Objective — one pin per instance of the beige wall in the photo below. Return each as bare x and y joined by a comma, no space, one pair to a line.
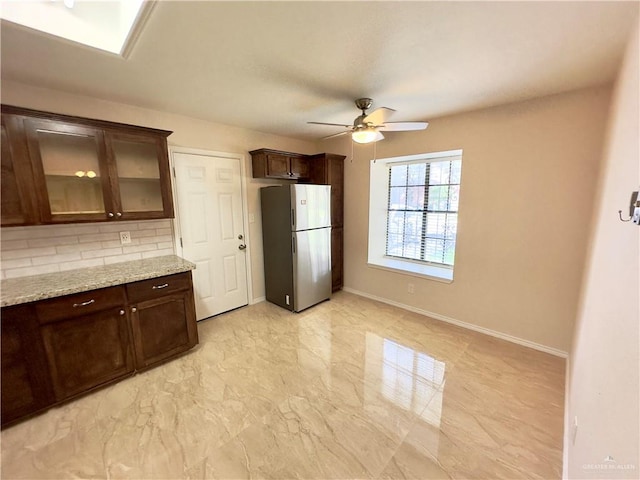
188,132
528,178
603,383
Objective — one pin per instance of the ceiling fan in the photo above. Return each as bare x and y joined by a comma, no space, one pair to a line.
368,128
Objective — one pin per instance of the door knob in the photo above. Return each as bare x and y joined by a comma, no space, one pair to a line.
240,237
242,247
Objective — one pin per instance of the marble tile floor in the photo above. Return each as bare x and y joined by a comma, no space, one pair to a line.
350,388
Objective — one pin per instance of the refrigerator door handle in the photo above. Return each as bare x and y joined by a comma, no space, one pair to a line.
293,218
293,245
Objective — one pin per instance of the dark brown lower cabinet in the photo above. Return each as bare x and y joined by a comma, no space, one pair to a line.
161,328
56,349
26,386
88,351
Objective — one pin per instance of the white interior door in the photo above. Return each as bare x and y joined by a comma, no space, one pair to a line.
211,225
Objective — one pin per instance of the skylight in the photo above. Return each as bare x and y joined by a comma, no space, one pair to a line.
106,25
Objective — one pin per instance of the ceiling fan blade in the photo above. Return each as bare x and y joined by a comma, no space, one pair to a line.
379,115
335,135
330,124
403,126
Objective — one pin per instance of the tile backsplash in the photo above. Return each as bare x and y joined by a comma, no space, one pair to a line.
55,248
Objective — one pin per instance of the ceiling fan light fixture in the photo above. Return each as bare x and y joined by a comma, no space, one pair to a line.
368,127
364,135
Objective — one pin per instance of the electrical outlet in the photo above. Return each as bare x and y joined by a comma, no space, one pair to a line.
411,288
125,237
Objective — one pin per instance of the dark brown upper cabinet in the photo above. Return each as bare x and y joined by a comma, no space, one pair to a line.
268,163
139,170
323,169
18,196
87,170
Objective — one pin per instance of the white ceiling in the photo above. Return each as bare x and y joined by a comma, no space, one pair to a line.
273,66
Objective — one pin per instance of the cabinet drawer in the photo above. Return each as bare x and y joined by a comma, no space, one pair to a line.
71,306
158,287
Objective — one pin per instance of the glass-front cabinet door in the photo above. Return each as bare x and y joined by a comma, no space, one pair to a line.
71,179
140,165
64,169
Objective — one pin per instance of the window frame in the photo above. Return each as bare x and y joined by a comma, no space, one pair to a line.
378,218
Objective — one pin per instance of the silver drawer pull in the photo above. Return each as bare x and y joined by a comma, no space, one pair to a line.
84,304
158,287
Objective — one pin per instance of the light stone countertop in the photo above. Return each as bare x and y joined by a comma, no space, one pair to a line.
15,291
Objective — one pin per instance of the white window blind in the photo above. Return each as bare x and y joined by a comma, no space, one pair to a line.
422,210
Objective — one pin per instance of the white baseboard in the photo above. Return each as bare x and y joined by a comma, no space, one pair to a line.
257,300
459,323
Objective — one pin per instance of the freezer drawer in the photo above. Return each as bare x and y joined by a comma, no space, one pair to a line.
311,267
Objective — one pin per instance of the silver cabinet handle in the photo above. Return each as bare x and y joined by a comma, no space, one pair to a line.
84,304
118,214
134,309
121,312
110,215
158,287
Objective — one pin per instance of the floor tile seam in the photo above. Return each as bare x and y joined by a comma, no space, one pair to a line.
54,411
397,449
363,418
428,404
338,407
231,438
515,466
275,405
248,352
506,381
319,436
451,365
179,448
323,437
355,412
501,443
226,359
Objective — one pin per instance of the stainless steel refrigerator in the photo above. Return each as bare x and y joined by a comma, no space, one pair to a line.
296,236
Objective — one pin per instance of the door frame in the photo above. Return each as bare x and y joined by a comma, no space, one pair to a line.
243,194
